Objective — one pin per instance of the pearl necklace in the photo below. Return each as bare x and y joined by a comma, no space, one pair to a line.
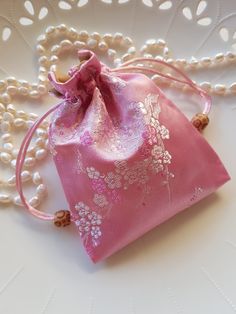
107,45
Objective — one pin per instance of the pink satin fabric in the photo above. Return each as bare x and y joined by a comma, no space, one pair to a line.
127,157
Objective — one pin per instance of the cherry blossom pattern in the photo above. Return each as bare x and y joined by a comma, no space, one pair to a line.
86,139
70,4
100,200
88,223
198,14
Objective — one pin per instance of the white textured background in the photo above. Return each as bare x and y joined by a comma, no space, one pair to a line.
185,266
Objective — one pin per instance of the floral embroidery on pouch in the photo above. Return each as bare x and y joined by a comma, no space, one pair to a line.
88,223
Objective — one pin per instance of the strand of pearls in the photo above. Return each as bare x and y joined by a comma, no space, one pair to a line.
50,47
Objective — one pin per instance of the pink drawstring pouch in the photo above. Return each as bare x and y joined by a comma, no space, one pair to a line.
127,157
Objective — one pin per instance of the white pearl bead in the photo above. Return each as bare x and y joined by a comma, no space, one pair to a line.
42,39
117,62
219,57
29,162
23,90
157,78
96,35
62,28
40,141
83,35
232,88
6,137
2,84
18,122
132,50
66,44
143,49
11,80
220,89
73,33
34,201
33,116
5,199
5,157
36,178
126,57
11,109
193,62
128,41
21,114
29,124
41,132
13,163
17,201
161,43
151,42
24,83
206,61
12,181
34,94
2,108
111,54
206,86
107,38
15,152
79,44
92,43
148,55
166,52
50,30
118,37
40,154
31,151
40,49
25,176
44,124
5,98
231,56
8,147
170,61
5,127
41,190
12,90
181,62
55,49
103,46
7,116
42,89
43,60
54,59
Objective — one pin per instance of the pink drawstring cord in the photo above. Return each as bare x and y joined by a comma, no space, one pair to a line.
20,162
188,81
124,67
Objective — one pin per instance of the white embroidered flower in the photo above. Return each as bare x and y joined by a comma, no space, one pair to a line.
113,180
100,200
95,218
156,166
92,173
166,157
88,222
121,166
96,232
164,132
156,151
131,176
82,209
